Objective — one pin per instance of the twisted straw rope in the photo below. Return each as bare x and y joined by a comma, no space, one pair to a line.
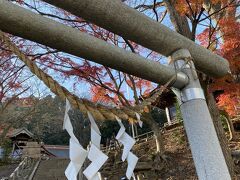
100,112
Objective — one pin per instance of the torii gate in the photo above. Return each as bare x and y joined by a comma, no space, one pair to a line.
132,25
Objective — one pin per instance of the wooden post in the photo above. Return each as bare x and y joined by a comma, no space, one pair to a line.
168,115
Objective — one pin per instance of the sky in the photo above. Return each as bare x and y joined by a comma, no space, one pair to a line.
82,88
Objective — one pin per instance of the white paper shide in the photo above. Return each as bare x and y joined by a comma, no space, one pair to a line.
95,155
76,152
127,141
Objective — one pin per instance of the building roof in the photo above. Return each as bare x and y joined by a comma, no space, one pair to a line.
166,99
57,150
23,130
60,147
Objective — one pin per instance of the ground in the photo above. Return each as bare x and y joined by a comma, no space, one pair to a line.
6,170
178,163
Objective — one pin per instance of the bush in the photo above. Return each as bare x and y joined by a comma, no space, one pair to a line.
6,145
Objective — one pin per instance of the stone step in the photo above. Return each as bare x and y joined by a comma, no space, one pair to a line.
50,178
52,169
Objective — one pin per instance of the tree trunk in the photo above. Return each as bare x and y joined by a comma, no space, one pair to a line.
157,133
233,134
183,28
220,133
180,22
211,8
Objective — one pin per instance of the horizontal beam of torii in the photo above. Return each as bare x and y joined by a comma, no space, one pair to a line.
129,23
26,24
99,111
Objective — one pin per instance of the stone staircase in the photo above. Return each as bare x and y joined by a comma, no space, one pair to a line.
179,164
148,166
51,169
23,170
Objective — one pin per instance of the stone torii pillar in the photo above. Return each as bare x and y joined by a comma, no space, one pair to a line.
205,147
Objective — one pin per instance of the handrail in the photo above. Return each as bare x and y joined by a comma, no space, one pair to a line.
34,169
16,172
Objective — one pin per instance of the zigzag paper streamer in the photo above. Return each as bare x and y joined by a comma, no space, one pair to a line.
95,155
77,153
124,139
132,162
95,133
128,143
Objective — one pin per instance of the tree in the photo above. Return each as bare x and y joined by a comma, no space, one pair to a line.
106,84
12,85
217,11
11,80
199,20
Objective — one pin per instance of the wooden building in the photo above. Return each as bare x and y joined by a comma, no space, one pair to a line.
20,138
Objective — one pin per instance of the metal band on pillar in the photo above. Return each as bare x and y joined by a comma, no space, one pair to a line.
192,93
182,60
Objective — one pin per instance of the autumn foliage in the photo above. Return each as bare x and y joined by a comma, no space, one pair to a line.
216,29
10,75
220,34
230,49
